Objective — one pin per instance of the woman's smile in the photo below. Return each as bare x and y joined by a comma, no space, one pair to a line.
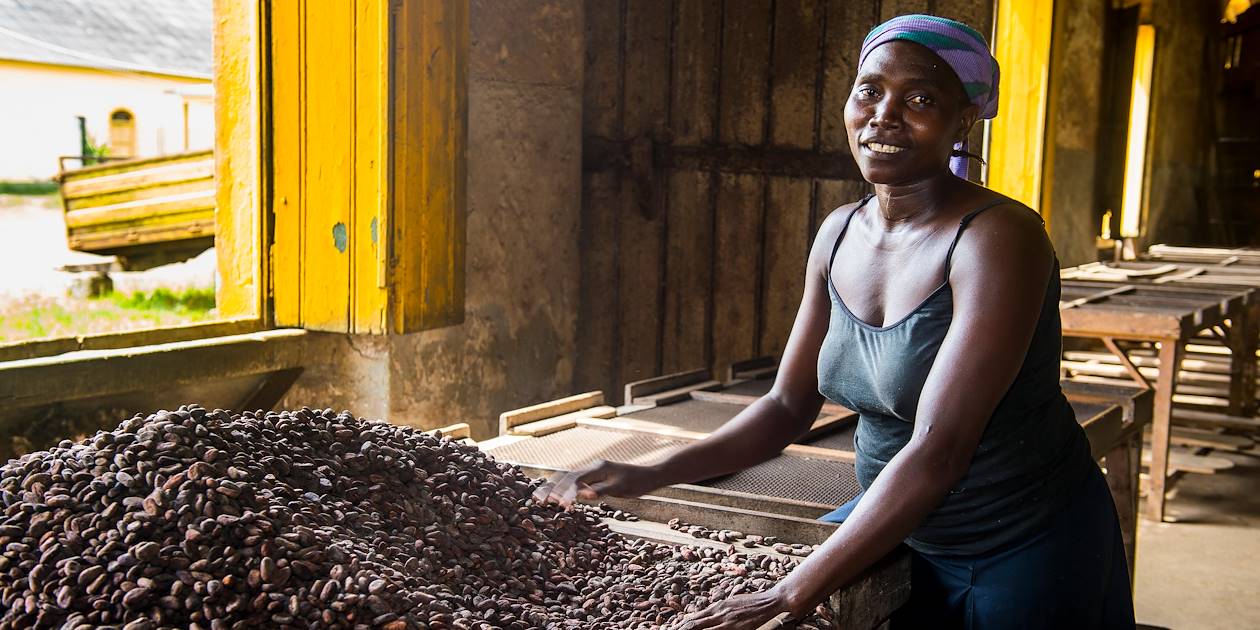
882,150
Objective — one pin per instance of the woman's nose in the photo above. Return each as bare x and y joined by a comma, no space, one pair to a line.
886,115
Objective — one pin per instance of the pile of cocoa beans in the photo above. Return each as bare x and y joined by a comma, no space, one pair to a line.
294,519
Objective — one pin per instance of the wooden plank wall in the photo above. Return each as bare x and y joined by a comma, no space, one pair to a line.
700,262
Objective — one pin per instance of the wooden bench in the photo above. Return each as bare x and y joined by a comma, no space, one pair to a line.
147,212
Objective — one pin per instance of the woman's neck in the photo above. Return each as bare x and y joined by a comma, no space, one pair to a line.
907,204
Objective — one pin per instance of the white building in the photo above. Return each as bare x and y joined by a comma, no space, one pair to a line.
137,71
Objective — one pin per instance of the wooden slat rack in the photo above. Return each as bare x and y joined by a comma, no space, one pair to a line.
819,465
1167,315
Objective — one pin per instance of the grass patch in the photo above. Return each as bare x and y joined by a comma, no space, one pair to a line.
29,188
37,318
187,302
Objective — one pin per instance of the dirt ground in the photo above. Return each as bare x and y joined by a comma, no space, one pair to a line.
33,293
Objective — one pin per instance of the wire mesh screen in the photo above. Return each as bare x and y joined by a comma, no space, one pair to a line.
691,415
800,478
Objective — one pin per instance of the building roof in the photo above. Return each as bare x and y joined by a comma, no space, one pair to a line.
158,36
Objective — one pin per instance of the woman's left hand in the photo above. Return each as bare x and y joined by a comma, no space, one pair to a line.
742,612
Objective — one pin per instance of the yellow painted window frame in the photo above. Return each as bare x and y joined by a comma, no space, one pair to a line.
1017,146
417,280
239,148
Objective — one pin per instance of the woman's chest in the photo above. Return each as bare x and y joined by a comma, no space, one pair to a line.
881,288
882,371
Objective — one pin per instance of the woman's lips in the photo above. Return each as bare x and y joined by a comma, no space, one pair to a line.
884,149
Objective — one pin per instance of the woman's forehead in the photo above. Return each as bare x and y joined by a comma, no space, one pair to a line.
905,61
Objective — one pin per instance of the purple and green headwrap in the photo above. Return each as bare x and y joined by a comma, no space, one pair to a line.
959,46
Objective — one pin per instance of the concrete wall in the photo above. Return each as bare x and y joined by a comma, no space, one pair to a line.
1072,135
518,339
39,103
1180,134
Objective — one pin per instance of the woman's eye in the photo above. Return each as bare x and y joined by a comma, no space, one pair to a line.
921,100
867,92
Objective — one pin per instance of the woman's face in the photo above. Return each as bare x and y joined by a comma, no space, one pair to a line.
905,113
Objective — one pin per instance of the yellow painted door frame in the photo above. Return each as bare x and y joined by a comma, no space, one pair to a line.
369,126
1134,207
239,80
1017,147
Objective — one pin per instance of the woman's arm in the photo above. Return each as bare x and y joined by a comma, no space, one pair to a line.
760,431
999,274
998,278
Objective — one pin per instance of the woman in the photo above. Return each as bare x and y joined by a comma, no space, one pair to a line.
931,309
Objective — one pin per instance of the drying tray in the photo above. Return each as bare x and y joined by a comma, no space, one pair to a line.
824,483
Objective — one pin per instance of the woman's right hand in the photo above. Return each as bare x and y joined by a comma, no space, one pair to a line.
599,478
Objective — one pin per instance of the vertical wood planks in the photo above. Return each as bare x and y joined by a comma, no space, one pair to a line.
370,188
693,105
787,241
743,116
427,222
287,80
745,63
327,103
889,9
688,276
794,73
736,268
794,70
598,316
848,23
641,220
689,250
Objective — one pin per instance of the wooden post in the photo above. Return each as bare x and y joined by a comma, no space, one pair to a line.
1244,331
1124,462
1170,354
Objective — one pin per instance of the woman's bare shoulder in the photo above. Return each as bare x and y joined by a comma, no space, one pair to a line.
829,231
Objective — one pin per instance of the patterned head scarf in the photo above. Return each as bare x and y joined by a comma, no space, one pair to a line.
959,46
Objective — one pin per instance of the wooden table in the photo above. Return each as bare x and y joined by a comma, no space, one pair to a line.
1168,316
1241,335
1212,255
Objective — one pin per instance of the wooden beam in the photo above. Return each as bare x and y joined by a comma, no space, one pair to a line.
604,154
549,409
93,373
1126,362
127,339
658,384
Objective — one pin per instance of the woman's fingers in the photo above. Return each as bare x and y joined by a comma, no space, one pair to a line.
543,492
586,484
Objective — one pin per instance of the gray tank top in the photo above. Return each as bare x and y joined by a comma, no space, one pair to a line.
1032,454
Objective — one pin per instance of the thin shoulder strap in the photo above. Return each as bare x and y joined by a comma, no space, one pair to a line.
962,225
835,248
